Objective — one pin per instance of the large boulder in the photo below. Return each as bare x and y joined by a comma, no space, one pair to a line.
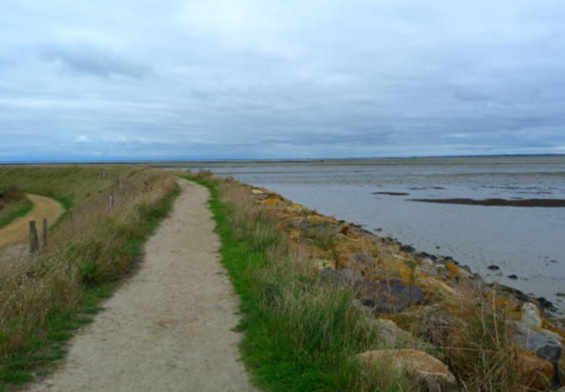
426,370
395,337
531,336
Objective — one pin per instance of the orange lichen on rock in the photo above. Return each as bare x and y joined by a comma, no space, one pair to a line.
272,201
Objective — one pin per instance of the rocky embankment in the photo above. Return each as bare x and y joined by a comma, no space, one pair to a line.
430,311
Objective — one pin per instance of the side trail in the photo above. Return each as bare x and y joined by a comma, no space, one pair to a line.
18,230
169,328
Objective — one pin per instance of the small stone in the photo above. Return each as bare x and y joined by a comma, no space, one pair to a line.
493,267
407,248
166,322
513,277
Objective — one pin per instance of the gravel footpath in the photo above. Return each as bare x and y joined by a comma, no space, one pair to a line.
169,328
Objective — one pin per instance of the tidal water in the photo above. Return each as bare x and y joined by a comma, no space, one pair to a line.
528,242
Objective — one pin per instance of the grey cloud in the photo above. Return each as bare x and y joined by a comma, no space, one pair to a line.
86,59
255,79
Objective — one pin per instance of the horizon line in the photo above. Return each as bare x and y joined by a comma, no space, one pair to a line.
215,160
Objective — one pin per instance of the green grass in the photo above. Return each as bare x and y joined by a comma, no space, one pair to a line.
299,334
14,211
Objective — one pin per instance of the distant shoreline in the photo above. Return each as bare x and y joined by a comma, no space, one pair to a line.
161,162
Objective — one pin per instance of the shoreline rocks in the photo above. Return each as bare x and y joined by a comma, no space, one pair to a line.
417,297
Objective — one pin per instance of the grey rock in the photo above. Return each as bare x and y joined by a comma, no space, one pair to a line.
493,267
390,295
395,337
407,249
545,344
545,347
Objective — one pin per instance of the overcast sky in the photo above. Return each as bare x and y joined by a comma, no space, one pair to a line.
157,79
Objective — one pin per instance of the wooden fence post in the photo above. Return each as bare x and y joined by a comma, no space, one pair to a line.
111,200
44,232
33,239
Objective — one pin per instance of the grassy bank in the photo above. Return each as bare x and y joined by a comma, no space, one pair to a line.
44,299
300,333
13,204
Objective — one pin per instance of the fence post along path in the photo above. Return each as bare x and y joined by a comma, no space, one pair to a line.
33,239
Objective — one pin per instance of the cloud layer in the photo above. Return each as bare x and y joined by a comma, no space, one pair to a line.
176,79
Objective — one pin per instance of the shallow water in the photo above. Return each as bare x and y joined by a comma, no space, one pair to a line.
526,242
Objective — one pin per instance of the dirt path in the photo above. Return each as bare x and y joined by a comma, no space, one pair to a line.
18,230
169,327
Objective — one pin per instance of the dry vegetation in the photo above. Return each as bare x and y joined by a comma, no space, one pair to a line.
41,296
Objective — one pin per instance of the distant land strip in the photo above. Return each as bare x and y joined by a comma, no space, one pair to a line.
391,193
499,202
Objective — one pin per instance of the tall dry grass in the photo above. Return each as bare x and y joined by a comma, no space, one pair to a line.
480,349
99,245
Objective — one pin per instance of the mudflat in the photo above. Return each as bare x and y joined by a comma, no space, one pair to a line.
169,328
